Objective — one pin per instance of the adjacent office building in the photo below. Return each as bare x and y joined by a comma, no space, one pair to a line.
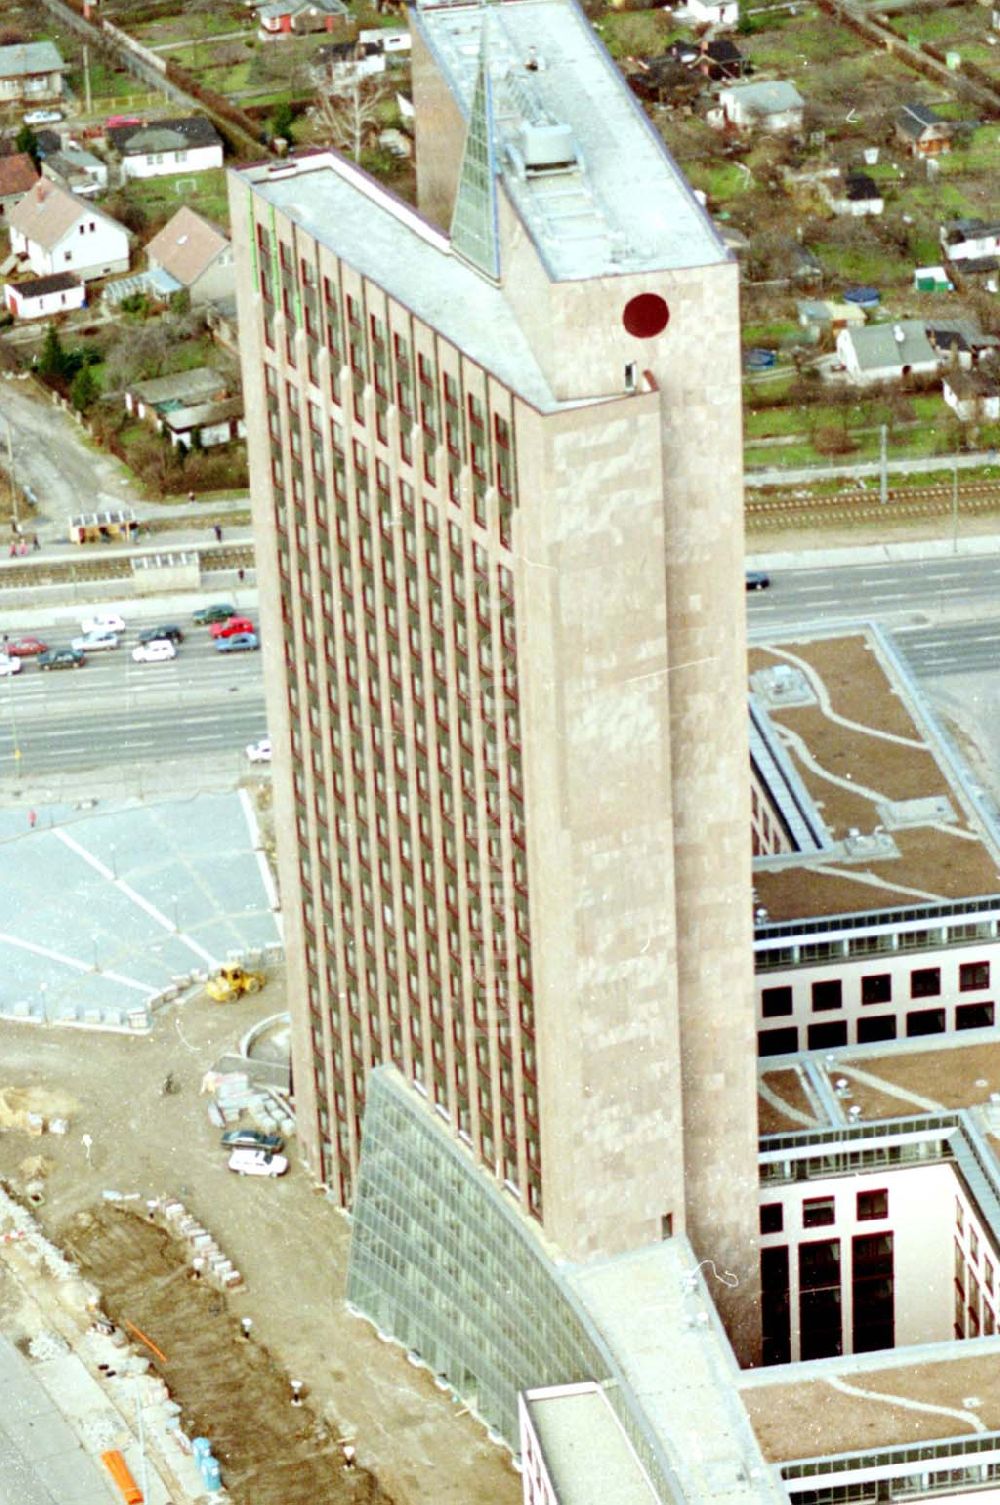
496,466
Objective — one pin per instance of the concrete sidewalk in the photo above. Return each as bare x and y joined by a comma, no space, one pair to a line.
899,552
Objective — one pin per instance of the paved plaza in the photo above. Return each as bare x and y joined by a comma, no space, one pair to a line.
103,907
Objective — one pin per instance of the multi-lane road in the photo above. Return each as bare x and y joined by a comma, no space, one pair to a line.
944,616
116,712
903,594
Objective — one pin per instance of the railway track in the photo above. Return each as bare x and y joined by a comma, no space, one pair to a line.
772,510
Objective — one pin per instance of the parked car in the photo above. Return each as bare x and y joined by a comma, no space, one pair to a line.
103,621
25,647
95,642
230,626
220,612
159,651
61,658
9,665
252,1139
259,752
171,632
257,1163
757,580
240,642
42,117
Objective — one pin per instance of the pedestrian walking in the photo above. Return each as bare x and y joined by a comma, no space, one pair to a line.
246,1323
218,533
32,819
22,547
190,496
241,574
34,542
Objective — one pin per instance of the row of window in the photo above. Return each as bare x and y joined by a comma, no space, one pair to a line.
376,584
818,1212
827,994
788,1039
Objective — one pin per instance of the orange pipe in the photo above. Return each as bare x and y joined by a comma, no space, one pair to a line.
148,1341
119,1471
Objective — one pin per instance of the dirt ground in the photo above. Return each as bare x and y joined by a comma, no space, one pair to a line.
231,1389
289,1242
814,1419
956,1077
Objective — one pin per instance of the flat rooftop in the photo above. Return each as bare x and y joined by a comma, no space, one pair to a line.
624,206
856,1406
369,228
589,1459
901,827
650,1307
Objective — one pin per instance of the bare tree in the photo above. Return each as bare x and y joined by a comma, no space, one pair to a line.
350,116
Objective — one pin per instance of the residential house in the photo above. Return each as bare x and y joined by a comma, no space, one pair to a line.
286,18
819,314
961,342
54,231
156,148
887,352
662,80
722,59
713,12
44,297
852,193
388,40
205,424
18,175
144,399
973,396
30,71
774,105
970,239
195,254
191,408
923,130
933,279
341,63
78,170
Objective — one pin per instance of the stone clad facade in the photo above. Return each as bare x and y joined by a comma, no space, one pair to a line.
500,560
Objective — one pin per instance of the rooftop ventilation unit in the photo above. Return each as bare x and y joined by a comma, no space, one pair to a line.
546,147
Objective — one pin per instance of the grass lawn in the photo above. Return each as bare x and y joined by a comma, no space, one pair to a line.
774,332
181,27
642,33
864,264
202,191
722,181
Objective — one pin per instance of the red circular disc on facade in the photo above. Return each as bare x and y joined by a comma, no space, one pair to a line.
646,315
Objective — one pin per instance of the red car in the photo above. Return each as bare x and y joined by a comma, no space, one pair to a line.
24,647
234,625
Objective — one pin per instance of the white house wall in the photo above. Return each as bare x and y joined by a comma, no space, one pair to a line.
162,164
898,965
921,1218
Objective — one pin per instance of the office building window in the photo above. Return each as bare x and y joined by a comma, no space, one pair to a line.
876,988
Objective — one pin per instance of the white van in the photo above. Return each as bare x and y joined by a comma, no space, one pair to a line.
257,1163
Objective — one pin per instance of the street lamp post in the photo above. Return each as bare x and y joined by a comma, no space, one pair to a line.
13,483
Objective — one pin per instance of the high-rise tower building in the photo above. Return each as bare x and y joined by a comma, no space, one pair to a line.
496,462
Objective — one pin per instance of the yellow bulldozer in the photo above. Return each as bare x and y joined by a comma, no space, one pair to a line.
230,983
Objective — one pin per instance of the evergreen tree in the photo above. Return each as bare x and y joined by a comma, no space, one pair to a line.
52,361
281,120
84,391
27,141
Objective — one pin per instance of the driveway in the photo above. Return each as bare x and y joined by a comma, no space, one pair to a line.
53,458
